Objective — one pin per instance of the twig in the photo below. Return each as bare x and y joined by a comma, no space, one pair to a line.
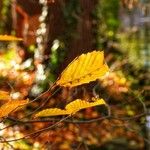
18,120
79,121
43,104
36,132
7,142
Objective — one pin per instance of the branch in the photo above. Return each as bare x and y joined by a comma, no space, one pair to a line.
33,133
19,120
79,121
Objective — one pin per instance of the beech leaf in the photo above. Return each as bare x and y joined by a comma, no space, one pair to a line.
83,69
78,104
10,106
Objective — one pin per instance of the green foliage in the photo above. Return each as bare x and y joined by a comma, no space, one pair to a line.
106,21
5,16
110,12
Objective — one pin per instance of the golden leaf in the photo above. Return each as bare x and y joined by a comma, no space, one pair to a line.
10,106
83,69
71,108
9,38
78,104
4,95
51,112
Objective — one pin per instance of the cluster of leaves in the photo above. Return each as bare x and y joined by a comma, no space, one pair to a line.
84,69
88,67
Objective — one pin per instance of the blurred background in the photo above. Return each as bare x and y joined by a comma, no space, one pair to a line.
54,32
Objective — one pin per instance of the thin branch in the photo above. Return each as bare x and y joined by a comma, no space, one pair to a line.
138,133
131,118
79,121
7,142
48,90
43,104
19,120
82,137
55,119
36,132
109,116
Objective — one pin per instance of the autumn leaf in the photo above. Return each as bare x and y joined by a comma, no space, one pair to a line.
10,106
78,104
83,69
4,95
9,38
51,112
70,108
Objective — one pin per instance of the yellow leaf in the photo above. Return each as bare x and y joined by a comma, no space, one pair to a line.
83,69
10,106
9,38
4,95
78,104
51,112
71,108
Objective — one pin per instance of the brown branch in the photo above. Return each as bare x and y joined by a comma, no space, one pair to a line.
36,132
79,121
19,120
66,120
109,116
5,141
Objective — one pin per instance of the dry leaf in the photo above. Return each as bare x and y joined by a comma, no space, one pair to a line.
9,38
10,106
71,108
84,69
4,95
